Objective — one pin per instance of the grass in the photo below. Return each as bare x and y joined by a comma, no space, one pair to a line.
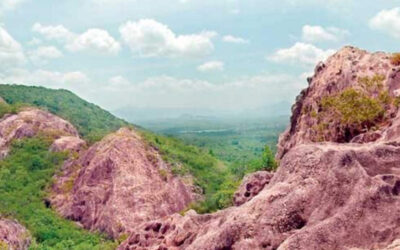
25,174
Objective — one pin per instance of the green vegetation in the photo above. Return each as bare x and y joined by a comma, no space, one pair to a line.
217,181
355,109
9,109
24,175
208,173
395,60
233,141
91,121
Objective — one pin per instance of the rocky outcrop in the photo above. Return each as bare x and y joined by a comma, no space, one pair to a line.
117,184
349,68
68,143
251,185
13,236
324,195
28,123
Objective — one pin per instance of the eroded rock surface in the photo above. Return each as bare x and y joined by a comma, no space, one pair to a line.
251,185
324,195
117,184
28,123
13,236
68,143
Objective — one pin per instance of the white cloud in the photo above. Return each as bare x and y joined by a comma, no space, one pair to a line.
93,39
387,21
211,66
41,55
149,38
234,39
51,79
58,33
118,82
9,4
170,92
302,53
11,52
320,34
34,42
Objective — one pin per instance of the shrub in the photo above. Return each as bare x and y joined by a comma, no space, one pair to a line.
352,107
395,59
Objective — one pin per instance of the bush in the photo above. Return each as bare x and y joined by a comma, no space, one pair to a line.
395,59
352,107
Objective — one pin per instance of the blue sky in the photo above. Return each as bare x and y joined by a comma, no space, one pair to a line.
196,54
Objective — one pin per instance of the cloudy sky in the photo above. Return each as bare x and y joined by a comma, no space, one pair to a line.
220,54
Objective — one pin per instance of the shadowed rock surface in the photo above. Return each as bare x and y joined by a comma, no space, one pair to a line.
28,123
324,195
13,236
251,185
117,184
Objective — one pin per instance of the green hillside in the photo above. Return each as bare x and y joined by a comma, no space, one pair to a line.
91,121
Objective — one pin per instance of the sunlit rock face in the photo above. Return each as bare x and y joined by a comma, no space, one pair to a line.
30,122
324,195
13,236
117,184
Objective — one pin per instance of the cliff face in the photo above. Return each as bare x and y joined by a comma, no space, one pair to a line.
28,123
13,235
118,183
322,111
327,193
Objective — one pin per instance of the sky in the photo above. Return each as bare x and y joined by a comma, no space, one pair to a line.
228,55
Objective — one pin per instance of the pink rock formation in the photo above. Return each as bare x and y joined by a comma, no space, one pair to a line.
251,185
118,183
30,122
339,72
324,195
68,143
13,236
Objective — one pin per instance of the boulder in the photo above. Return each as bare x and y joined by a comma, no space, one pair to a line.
68,143
28,123
13,236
